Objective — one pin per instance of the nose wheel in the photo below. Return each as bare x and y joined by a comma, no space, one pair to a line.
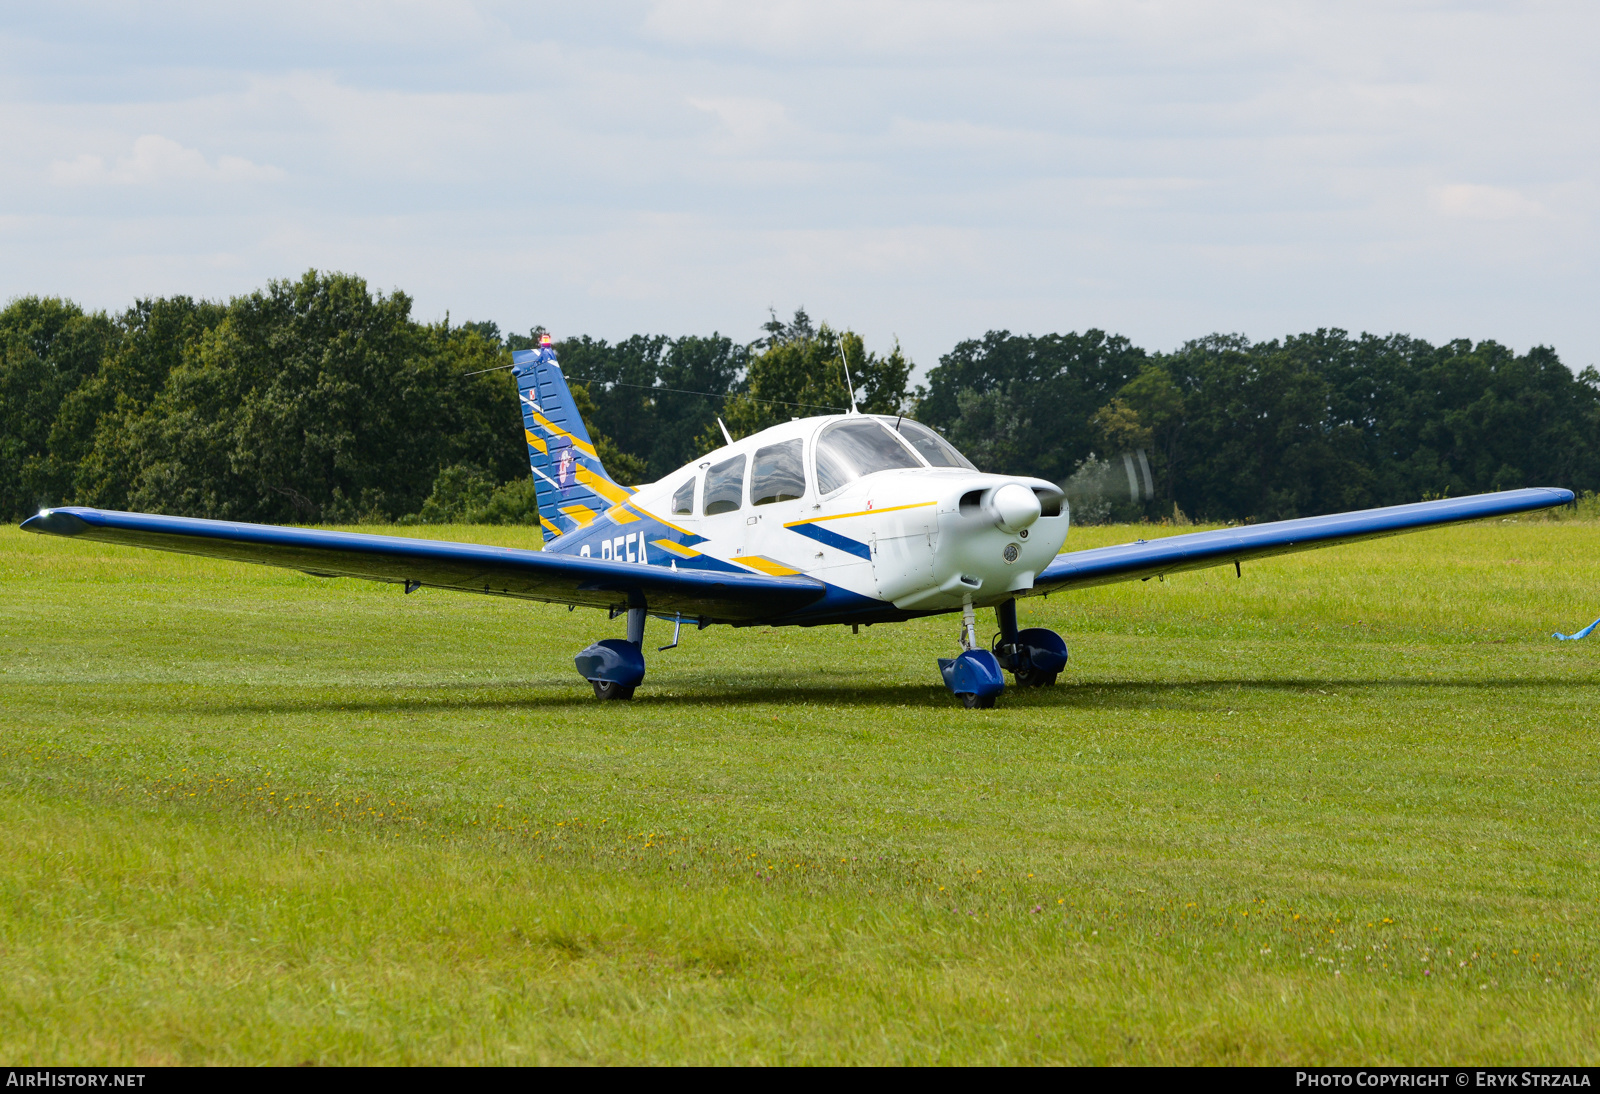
610,689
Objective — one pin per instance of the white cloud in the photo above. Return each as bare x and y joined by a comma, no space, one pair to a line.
79,171
1469,202
747,122
159,160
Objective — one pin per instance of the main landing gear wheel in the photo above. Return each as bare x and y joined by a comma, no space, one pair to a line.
1034,678
978,702
615,666
1035,657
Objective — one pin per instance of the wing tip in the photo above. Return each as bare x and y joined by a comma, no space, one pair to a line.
55,522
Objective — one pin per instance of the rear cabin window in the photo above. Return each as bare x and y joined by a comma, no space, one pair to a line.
683,500
779,473
934,448
850,449
725,486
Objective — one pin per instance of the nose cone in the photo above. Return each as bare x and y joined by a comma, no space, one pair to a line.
1015,507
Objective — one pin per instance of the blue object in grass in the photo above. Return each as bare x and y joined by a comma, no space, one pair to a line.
1581,634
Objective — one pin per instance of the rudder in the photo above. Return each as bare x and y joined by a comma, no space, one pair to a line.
570,482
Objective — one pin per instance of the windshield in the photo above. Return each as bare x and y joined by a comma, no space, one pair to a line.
850,449
934,448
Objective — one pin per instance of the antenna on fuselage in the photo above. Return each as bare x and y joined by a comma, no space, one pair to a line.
848,383
725,434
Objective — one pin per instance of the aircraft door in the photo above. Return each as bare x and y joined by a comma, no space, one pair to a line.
902,557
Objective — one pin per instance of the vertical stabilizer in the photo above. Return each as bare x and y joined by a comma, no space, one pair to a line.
572,485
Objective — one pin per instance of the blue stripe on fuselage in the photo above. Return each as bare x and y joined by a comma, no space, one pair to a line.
833,539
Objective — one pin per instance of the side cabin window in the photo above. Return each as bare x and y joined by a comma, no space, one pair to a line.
934,448
859,446
683,500
779,473
724,486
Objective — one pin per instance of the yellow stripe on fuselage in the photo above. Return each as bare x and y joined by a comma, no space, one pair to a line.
647,514
676,548
767,565
622,514
862,513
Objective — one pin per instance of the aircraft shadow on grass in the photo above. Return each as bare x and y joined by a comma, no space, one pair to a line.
1096,695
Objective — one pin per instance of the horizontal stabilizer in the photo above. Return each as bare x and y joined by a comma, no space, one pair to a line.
1198,550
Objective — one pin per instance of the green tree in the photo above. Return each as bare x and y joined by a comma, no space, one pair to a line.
48,347
1024,404
316,400
802,372
654,397
91,431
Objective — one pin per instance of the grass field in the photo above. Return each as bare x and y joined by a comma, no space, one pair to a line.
1342,809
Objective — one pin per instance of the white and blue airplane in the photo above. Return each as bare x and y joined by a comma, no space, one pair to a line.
841,519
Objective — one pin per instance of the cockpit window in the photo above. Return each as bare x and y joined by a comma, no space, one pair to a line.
934,448
779,473
850,449
725,486
683,500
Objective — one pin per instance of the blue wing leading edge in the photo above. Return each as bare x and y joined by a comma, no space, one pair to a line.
1198,550
466,567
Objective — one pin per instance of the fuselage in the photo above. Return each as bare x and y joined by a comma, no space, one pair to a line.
893,520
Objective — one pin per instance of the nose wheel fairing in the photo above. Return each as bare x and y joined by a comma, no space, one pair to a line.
974,677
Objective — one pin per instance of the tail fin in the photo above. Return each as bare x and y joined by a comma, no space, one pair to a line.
571,484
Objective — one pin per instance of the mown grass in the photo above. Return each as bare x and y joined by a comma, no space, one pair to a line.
1341,810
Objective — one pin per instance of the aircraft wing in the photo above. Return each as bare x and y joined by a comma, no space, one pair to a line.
1144,559
468,567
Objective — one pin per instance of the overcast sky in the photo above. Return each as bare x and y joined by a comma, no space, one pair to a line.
923,170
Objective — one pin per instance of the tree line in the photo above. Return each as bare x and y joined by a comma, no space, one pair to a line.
318,400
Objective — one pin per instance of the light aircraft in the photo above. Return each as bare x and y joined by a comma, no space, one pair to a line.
843,519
